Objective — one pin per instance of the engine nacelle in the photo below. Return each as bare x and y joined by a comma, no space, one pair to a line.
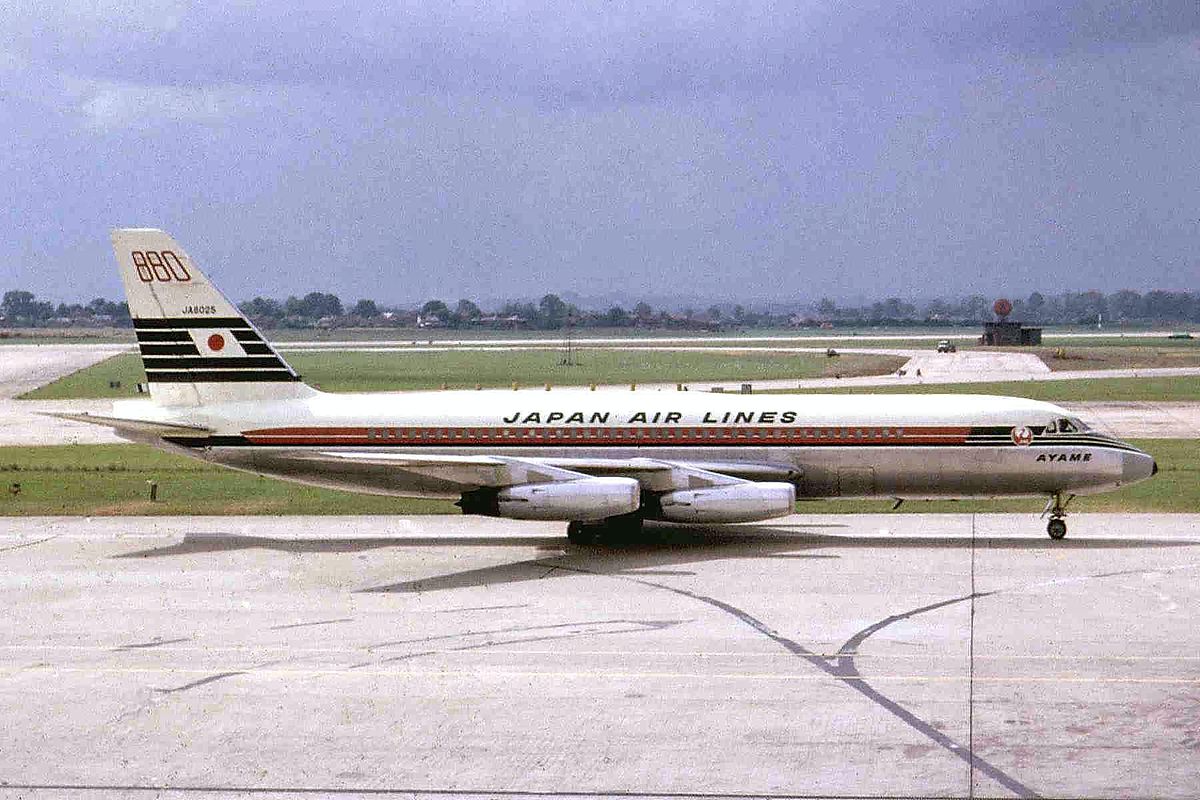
739,502
586,499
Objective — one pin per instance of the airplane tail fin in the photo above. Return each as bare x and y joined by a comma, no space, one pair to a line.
197,347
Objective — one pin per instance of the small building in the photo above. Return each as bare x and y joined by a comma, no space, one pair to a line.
1010,333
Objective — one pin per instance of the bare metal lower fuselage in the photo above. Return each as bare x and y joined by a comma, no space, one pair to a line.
817,472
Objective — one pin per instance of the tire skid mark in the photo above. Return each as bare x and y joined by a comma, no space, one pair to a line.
310,624
574,629
148,645
203,681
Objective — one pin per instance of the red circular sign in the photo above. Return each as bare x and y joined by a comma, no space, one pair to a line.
1002,307
216,342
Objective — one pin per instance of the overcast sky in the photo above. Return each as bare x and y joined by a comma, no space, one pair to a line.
737,151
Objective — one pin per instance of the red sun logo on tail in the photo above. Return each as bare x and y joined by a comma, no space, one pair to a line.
216,342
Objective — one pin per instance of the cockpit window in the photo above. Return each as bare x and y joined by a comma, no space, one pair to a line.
1064,425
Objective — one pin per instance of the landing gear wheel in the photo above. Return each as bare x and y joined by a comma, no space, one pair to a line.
622,530
1057,529
580,533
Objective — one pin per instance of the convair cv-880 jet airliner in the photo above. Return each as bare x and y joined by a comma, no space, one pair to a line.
601,461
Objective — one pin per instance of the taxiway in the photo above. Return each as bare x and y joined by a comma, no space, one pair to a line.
908,656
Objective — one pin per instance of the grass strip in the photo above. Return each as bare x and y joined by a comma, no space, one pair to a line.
1161,388
388,371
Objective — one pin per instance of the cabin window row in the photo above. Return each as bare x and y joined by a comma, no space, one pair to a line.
633,434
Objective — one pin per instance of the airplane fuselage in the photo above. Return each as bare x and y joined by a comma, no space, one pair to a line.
900,446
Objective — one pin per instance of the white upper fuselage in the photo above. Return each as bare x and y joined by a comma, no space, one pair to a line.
566,408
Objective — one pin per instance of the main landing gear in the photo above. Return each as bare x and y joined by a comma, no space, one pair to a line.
1057,509
620,529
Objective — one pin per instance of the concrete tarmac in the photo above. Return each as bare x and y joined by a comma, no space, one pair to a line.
900,656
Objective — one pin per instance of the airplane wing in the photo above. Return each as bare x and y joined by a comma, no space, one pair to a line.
654,475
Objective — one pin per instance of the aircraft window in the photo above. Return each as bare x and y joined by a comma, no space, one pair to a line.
1066,426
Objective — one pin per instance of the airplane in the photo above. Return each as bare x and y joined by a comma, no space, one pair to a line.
604,462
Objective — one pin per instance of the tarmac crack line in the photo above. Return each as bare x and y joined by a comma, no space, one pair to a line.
23,545
844,670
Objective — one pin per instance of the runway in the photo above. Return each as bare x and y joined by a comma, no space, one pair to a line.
902,656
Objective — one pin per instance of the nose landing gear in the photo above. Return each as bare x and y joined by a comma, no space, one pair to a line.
1057,528
1057,509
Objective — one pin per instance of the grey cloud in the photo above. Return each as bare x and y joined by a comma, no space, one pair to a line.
585,50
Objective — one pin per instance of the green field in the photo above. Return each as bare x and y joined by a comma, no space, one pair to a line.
360,372
1185,388
96,480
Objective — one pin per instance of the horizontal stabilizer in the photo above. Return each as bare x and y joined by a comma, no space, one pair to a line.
136,429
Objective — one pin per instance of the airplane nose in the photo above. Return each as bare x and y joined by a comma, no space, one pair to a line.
1137,467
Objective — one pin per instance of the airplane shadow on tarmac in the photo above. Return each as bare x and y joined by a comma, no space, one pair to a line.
662,552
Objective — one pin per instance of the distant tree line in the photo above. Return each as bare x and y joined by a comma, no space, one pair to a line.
1069,308
23,309
322,309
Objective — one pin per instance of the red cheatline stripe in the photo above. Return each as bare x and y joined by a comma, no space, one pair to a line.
865,435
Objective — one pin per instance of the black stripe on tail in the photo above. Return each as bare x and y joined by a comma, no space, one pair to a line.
170,356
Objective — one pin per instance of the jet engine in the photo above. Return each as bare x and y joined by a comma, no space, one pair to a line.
585,499
739,502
